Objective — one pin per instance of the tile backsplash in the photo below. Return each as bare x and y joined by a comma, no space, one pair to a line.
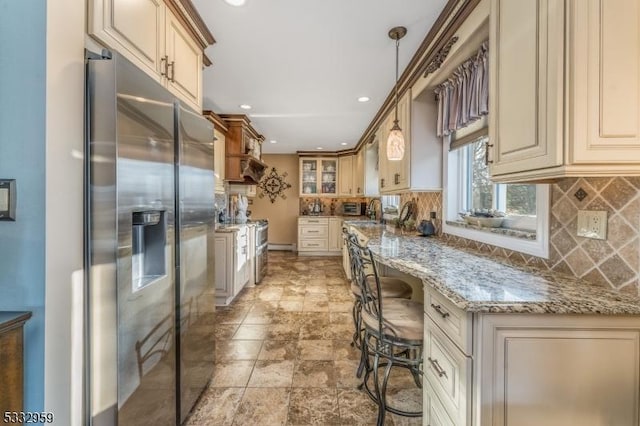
613,262
327,203
426,203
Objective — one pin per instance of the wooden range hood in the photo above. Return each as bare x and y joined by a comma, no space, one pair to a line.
243,150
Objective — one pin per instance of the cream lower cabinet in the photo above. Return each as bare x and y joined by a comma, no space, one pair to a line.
564,89
147,33
529,369
232,264
320,236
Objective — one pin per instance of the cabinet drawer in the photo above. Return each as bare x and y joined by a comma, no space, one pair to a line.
313,221
313,245
314,231
448,371
433,413
455,322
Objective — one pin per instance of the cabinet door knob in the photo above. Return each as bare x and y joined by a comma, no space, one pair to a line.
381,183
396,178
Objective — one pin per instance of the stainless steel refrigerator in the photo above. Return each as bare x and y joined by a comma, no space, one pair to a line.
150,231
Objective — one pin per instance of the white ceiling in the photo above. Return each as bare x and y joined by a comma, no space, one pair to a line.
302,64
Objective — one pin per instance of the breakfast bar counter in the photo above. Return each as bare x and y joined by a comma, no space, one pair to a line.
507,344
477,283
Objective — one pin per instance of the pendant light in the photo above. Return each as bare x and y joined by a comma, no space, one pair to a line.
395,142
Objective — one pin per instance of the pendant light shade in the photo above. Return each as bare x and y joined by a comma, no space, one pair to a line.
395,141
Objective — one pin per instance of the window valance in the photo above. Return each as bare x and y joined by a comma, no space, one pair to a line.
464,97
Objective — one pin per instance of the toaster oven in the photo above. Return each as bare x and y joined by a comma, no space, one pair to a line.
350,209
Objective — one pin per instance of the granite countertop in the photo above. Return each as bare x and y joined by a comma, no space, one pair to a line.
478,283
341,216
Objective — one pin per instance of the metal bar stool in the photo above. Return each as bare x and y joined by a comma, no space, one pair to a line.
393,332
391,287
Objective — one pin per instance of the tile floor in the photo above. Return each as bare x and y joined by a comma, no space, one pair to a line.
283,354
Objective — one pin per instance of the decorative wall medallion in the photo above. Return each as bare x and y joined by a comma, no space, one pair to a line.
273,185
440,56
580,194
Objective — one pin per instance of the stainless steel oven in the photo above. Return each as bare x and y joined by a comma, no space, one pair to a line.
262,256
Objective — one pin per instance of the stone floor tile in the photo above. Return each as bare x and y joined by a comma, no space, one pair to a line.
217,406
314,374
271,374
232,374
263,406
313,406
235,350
315,350
279,350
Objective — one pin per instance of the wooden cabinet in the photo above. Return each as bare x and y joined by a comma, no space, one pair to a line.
318,176
481,369
11,361
551,120
345,173
157,40
243,151
319,236
232,264
420,169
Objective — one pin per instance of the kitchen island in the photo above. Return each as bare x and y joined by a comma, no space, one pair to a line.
506,345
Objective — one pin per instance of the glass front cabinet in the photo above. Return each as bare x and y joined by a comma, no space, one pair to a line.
318,176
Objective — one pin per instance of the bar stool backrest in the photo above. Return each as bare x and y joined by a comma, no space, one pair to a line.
363,269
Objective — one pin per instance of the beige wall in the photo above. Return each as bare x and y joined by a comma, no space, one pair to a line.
283,213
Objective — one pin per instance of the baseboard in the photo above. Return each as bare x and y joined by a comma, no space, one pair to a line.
282,247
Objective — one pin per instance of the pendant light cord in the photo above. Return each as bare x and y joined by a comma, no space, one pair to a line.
397,50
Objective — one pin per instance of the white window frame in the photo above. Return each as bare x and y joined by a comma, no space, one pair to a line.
453,202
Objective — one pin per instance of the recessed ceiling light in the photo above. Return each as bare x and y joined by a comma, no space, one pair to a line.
273,141
363,99
343,143
235,2
319,148
245,106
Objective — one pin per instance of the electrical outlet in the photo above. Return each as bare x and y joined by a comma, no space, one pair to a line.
592,224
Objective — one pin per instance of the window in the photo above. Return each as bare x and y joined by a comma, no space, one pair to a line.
517,201
468,187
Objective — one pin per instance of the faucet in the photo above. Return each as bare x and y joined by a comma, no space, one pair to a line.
371,210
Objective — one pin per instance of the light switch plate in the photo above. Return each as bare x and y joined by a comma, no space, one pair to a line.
8,199
592,224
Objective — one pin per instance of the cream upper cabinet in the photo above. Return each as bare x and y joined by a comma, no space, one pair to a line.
147,33
526,85
218,160
319,177
551,120
383,163
605,82
358,173
421,167
133,27
184,63
345,171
